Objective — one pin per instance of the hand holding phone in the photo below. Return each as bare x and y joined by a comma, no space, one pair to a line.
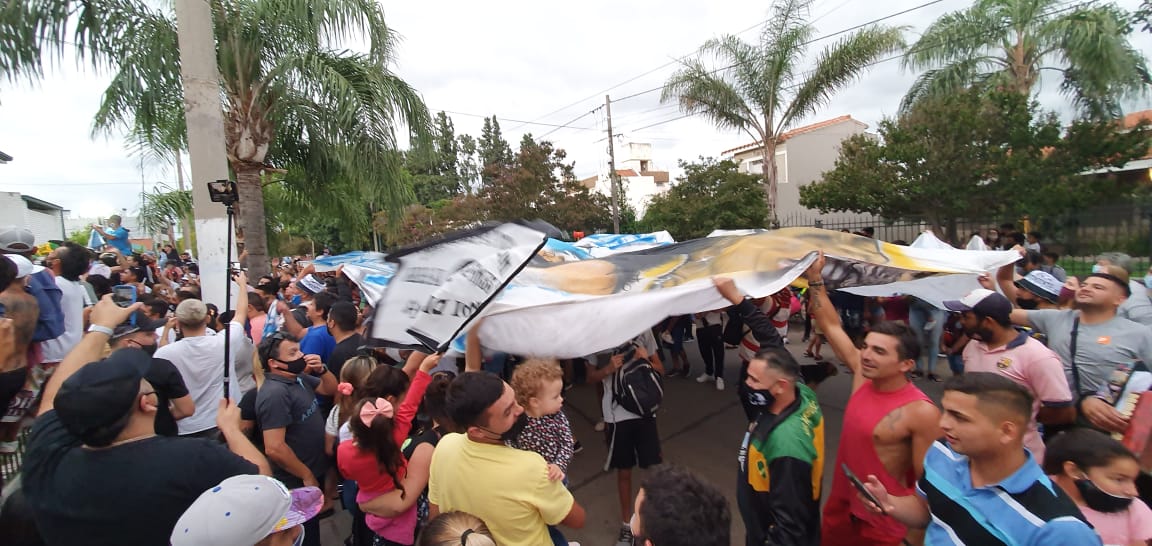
124,295
864,492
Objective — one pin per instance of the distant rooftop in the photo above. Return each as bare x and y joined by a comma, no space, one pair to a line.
796,132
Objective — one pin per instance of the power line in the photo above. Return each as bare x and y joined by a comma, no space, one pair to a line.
658,68
869,65
578,118
558,127
812,41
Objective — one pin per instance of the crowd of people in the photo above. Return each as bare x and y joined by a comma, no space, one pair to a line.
139,432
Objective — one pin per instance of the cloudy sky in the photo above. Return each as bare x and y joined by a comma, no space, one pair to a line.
519,60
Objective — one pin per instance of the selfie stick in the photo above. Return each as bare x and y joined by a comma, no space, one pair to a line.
224,191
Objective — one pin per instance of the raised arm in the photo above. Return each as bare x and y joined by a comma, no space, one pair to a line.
106,315
759,323
826,317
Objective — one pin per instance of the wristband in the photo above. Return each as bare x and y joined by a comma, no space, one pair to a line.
814,284
96,328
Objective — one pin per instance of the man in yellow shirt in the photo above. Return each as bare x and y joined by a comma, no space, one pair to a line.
476,473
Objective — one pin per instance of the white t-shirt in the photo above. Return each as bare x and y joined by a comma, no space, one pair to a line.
98,268
198,359
73,300
613,412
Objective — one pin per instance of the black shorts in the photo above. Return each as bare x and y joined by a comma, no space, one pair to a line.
632,441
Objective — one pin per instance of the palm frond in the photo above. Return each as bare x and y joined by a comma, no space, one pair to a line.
1102,66
957,37
836,67
165,207
941,81
700,92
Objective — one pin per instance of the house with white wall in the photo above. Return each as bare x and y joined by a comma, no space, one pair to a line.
637,176
803,155
45,220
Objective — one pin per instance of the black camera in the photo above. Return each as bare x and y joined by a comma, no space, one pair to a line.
223,191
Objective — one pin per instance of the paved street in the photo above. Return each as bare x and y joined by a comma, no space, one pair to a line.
701,429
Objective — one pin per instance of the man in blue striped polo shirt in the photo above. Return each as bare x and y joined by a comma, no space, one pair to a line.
982,487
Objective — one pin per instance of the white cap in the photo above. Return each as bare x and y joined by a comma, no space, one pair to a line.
24,267
244,509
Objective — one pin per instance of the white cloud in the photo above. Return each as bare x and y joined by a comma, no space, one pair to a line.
516,59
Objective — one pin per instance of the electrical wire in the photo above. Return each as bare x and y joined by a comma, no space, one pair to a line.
812,41
658,68
869,65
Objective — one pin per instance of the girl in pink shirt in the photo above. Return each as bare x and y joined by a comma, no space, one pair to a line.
1099,473
373,458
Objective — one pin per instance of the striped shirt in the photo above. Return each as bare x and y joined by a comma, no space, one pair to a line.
1025,508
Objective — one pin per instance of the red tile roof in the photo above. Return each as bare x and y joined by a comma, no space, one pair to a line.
795,132
1134,119
626,172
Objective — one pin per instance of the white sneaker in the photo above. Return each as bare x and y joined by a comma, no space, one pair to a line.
599,426
719,383
704,378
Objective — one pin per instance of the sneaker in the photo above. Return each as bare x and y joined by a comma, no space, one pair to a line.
719,383
704,378
625,537
599,426
577,447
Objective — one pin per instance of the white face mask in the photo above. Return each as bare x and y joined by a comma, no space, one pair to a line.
1099,269
1148,281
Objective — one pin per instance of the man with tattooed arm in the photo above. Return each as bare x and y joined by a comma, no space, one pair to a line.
889,423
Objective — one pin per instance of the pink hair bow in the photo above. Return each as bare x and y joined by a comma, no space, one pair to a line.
345,389
369,411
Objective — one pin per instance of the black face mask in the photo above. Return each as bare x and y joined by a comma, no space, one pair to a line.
760,398
150,349
295,366
1026,304
1099,500
514,432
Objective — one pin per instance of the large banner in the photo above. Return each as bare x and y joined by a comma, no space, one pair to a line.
439,287
565,308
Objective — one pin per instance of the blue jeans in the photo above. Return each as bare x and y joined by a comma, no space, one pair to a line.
956,364
920,314
557,537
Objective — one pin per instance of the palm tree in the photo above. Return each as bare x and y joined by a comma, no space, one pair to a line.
299,109
1009,43
163,208
761,90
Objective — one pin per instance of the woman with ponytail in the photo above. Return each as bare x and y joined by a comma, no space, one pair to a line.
379,423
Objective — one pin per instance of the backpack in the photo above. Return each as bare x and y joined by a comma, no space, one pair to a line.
638,388
734,330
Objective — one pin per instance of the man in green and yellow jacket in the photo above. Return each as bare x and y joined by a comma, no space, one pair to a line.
782,455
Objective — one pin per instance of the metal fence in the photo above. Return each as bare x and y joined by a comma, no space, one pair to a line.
1078,237
10,463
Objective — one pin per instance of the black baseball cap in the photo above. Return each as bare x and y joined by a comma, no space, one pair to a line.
101,394
143,323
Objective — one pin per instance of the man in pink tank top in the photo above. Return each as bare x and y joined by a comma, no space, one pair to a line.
889,424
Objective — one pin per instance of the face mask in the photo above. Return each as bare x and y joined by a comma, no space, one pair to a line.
1026,304
296,366
1099,500
1099,269
1148,281
1066,294
512,433
761,398
150,349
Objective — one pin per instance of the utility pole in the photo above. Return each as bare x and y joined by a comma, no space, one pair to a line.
205,121
615,194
